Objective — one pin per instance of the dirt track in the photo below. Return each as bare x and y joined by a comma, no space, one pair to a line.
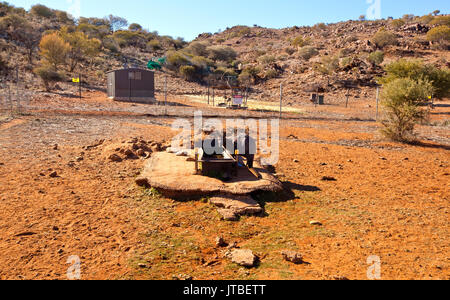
389,200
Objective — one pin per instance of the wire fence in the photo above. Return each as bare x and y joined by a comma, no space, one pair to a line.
14,98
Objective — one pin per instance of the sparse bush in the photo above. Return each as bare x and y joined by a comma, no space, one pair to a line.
300,41
154,45
376,58
408,18
202,62
116,23
176,59
417,70
397,23
54,50
267,59
135,27
426,19
346,61
48,76
111,44
269,74
362,17
440,34
63,17
384,38
188,72
441,20
307,52
197,49
402,100
42,11
320,26
221,53
289,51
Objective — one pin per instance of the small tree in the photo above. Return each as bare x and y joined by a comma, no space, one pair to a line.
376,58
81,47
117,23
362,17
417,70
54,50
402,100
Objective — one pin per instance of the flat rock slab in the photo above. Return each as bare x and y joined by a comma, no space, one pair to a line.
175,176
231,207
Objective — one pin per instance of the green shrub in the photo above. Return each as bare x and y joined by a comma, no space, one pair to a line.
176,59
402,100
63,17
197,49
427,19
300,41
346,61
417,70
376,58
48,75
111,44
441,20
307,52
188,72
397,23
202,62
384,38
440,34
267,59
135,27
269,74
154,45
221,53
42,11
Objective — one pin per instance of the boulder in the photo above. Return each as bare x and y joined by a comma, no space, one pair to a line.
244,258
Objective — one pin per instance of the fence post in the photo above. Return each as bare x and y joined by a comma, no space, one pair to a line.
378,101
281,101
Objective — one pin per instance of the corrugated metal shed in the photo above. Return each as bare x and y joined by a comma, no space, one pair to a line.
132,85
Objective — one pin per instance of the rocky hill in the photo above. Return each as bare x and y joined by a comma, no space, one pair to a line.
340,58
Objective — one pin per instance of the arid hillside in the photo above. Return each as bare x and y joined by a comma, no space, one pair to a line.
339,59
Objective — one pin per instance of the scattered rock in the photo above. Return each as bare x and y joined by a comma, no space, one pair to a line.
328,178
115,158
315,223
54,174
2,164
28,233
79,158
141,153
55,228
244,258
142,266
228,214
232,207
293,257
142,182
220,242
383,158
296,161
340,278
55,147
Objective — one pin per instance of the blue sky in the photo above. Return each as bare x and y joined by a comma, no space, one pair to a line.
188,18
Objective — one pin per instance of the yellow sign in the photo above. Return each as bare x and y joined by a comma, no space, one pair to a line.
76,80
429,97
